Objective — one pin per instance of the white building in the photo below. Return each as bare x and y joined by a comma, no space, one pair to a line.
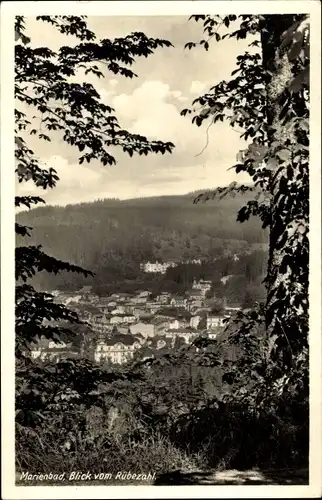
215,321
157,267
177,323
118,349
202,285
194,321
164,298
145,329
179,302
119,319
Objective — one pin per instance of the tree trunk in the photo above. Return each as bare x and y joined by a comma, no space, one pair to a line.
287,276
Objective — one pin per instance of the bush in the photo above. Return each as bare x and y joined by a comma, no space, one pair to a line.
39,450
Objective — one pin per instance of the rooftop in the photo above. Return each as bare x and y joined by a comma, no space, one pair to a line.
126,339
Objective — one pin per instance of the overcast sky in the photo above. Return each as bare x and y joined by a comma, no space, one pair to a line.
167,82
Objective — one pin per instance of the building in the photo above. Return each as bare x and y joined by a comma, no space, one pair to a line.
163,298
230,309
128,308
202,285
145,293
153,307
48,350
125,329
194,321
100,322
179,302
138,312
118,349
139,300
118,310
195,304
177,323
215,321
195,294
184,333
160,325
156,267
118,319
145,329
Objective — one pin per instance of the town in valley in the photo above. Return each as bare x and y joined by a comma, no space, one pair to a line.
126,326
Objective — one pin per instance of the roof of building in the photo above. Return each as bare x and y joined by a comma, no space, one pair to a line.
86,289
122,315
142,323
182,330
126,339
159,321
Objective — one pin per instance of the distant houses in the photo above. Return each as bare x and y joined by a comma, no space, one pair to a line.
48,350
124,323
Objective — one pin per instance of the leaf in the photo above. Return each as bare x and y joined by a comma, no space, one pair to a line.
284,154
299,81
295,51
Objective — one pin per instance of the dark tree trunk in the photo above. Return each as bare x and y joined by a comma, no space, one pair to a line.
287,276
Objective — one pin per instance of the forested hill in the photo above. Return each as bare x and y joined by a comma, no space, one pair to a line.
116,235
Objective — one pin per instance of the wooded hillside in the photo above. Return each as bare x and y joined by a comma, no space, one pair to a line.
112,236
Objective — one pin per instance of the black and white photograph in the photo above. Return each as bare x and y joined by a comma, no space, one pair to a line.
162,271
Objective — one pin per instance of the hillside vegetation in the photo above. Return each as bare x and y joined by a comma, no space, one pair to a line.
112,237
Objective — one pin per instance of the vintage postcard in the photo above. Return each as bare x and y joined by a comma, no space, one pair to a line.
161,249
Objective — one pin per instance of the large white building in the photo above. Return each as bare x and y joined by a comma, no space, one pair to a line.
157,267
118,349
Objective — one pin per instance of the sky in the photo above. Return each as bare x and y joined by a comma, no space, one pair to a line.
150,105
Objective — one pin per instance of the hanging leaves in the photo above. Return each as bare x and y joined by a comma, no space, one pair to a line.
268,101
43,84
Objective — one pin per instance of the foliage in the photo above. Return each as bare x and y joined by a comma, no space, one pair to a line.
73,112
112,237
104,454
240,400
267,98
